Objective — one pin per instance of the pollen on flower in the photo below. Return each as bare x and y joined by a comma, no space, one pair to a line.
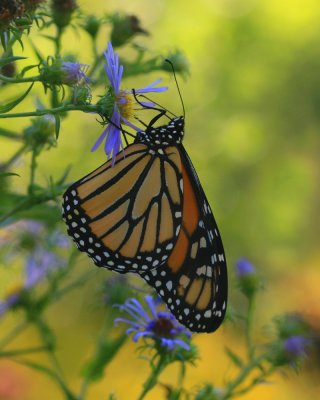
125,104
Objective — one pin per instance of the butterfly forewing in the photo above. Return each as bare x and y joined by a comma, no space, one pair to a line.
193,282
127,216
148,214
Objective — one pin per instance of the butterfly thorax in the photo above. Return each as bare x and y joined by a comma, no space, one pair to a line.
165,135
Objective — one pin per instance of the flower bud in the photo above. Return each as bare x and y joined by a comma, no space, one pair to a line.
124,27
62,11
92,25
59,72
9,70
180,63
246,277
291,325
41,132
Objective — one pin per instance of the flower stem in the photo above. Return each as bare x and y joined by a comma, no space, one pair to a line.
15,332
245,371
153,377
33,168
258,379
20,80
38,113
249,320
14,157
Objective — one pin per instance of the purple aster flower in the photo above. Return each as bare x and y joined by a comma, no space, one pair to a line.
37,267
161,326
295,346
123,105
74,73
244,268
247,278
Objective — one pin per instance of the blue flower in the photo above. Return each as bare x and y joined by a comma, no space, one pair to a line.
247,278
74,73
244,268
38,265
161,326
123,105
295,346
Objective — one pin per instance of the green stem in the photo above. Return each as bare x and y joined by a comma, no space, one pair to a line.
249,321
38,113
78,282
8,51
58,40
262,376
181,375
14,157
15,332
51,374
83,390
29,202
33,168
20,80
245,371
153,377
9,134
20,352
46,335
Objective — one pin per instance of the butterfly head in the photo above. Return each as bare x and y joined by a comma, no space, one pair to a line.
165,135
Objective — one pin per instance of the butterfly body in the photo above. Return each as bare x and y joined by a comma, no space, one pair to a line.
148,214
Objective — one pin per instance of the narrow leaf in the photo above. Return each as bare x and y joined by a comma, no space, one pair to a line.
26,69
3,174
234,357
8,107
94,368
57,125
8,60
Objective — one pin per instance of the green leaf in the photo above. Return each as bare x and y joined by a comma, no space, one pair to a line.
234,357
8,107
3,40
3,174
8,60
26,69
57,126
49,37
106,350
37,52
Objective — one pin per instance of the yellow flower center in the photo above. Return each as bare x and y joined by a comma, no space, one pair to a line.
126,108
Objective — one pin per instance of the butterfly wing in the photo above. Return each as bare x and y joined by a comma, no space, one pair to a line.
193,282
128,215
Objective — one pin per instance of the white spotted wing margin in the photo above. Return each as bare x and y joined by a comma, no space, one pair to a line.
127,215
193,283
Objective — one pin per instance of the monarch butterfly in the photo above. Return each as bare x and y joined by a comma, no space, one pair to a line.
147,213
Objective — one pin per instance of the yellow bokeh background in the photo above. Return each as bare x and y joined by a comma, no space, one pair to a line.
252,127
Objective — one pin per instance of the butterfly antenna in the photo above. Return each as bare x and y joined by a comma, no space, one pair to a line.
175,78
157,104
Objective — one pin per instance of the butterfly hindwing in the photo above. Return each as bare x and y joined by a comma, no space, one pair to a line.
147,213
127,216
193,282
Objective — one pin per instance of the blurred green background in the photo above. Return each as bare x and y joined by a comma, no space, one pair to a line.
252,127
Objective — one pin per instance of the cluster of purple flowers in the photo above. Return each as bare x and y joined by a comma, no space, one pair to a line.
40,262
